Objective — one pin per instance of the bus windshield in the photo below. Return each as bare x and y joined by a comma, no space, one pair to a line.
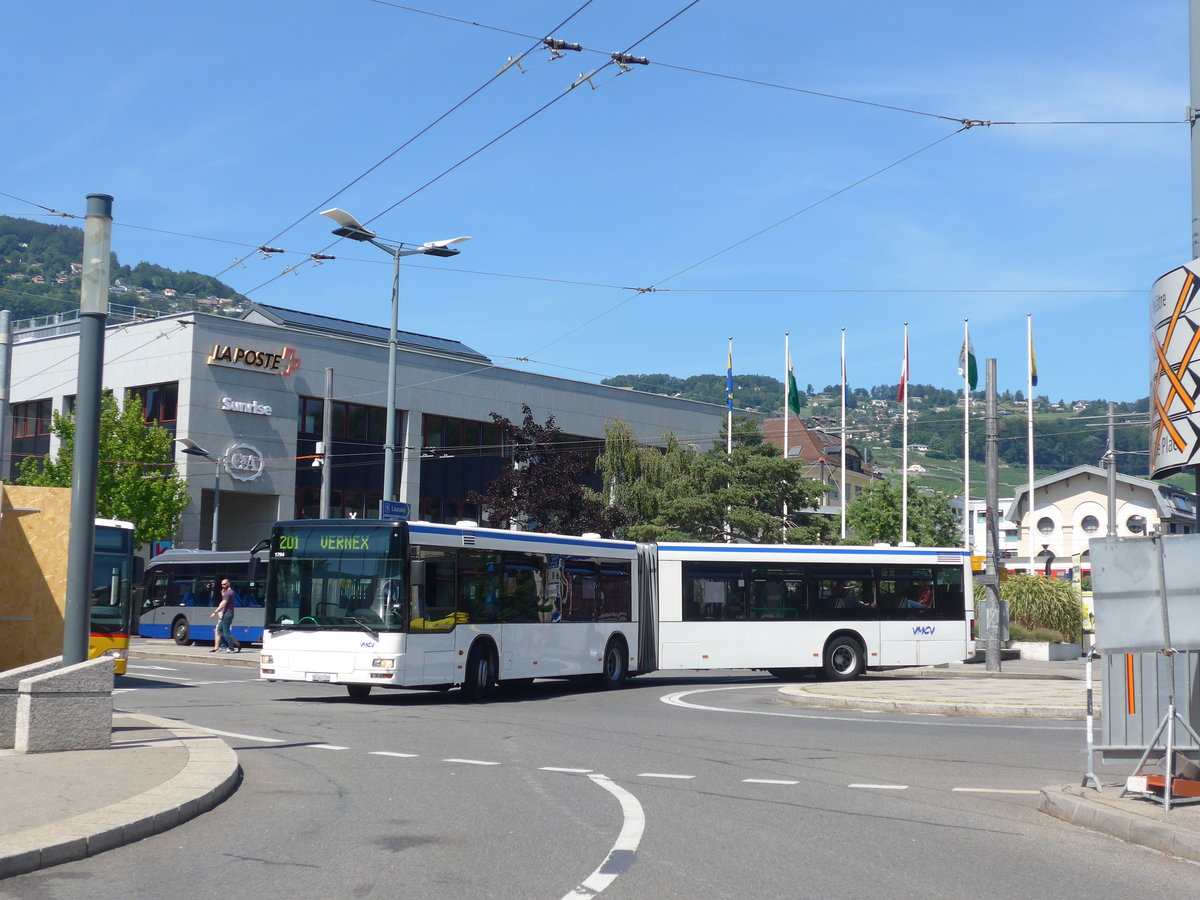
112,561
336,576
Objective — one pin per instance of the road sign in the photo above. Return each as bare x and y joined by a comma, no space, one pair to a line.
393,509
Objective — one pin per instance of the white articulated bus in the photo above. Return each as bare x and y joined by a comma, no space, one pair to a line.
790,609
367,603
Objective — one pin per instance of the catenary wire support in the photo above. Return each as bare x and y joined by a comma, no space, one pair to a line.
555,47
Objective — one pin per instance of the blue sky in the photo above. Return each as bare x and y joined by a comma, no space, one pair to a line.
218,125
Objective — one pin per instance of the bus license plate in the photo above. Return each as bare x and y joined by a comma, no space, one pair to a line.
319,676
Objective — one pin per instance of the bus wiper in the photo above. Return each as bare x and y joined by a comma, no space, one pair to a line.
364,626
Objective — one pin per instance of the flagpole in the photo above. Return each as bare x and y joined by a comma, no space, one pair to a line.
787,408
904,456
967,522
787,389
729,402
1029,416
728,422
842,490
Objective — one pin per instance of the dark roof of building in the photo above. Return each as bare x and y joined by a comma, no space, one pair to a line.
329,325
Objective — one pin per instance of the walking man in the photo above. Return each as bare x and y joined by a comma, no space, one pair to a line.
224,616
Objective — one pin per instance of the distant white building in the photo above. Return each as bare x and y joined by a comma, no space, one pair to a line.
1071,508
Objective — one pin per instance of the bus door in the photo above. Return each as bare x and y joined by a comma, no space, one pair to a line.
430,656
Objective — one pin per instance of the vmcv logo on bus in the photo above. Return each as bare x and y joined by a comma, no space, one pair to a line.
924,629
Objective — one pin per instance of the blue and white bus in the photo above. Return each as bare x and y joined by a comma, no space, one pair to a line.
181,590
366,603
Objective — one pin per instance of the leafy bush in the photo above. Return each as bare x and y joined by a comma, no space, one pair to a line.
1036,603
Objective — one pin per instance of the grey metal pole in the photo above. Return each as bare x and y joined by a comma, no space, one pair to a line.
216,525
992,582
5,379
1111,460
389,446
327,444
93,312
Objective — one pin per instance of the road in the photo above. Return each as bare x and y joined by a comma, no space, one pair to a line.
671,788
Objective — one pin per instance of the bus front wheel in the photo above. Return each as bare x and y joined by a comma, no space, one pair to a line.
179,631
843,659
480,674
358,691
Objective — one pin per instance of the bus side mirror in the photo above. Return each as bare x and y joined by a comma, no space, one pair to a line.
252,571
416,573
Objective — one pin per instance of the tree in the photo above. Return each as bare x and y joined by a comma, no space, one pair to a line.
676,493
875,515
136,480
543,489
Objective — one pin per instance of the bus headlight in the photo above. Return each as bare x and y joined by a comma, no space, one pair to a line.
383,663
116,653
267,658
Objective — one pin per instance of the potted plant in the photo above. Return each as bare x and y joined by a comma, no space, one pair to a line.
1045,617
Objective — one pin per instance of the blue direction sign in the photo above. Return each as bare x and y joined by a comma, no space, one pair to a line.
393,509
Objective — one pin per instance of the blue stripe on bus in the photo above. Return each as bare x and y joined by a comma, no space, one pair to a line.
907,552
526,537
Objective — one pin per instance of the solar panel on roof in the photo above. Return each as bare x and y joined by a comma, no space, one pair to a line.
298,319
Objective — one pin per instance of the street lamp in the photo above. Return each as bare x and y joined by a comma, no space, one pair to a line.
351,228
191,448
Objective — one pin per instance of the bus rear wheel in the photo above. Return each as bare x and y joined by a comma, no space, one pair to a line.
179,631
843,659
616,666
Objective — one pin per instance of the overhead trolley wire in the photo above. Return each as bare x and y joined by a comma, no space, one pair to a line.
407,143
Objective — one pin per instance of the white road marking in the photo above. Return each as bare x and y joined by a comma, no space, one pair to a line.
390,753
180,678
677,699
567,771
880,787
991,791
767,781
243,737
158,668
664,775
624,852
325,747
472,762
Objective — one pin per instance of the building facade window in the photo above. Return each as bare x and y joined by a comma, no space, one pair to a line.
355,466
30,433
1045,525
1136,524
160,403
446,434
354,422
1090,524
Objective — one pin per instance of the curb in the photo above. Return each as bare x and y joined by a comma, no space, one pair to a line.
250,660
1088,809
209,776
802,697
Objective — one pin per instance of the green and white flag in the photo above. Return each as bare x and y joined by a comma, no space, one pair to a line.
967,366
793,400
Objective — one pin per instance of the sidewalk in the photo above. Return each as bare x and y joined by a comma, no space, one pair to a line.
159,773
1028,689
60,807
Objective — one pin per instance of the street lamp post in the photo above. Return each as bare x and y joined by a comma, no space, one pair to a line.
191,448
350,227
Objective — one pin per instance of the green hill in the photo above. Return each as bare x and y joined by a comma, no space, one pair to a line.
40,273
1065,434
